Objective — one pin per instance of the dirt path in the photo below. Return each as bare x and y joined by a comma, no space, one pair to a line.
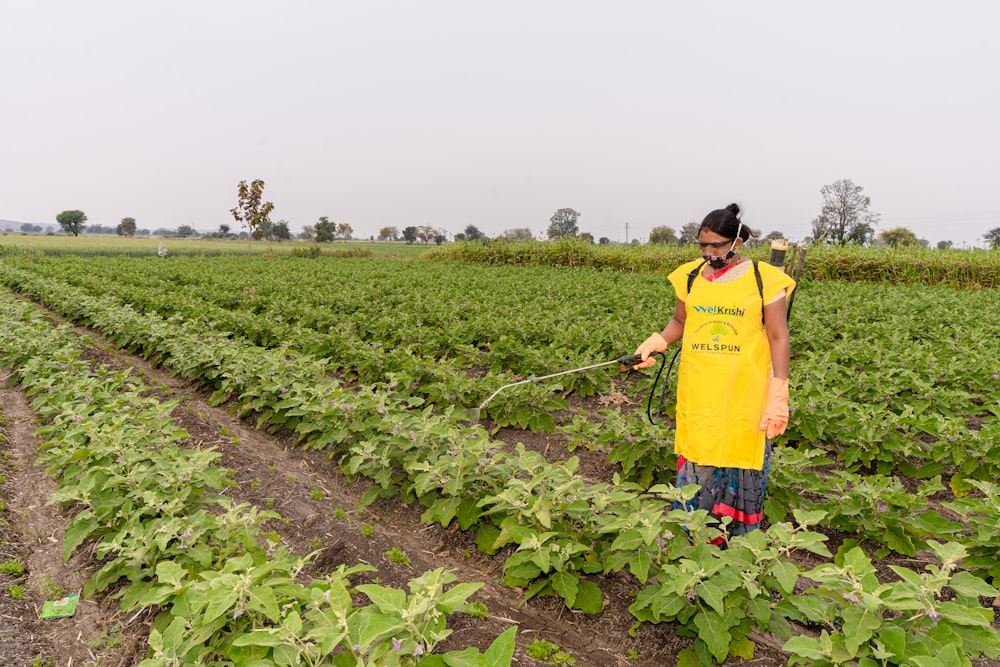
31,533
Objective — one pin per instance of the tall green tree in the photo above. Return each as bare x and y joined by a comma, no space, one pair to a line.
251,211
281,231
846,214
517,234
563,223
388,234
265,230
662,235
344,231
689,232
993,237
426,233
325,230
410,235
472,233
72,221
126,227
898,236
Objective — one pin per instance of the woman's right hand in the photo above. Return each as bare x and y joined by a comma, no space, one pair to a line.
655,343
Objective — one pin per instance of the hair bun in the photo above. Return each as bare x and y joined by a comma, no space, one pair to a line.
734,209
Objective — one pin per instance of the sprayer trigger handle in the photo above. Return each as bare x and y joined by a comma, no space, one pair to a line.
631,360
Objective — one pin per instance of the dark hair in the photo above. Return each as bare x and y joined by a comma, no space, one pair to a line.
726,222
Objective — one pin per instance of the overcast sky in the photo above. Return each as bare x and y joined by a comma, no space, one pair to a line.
497,113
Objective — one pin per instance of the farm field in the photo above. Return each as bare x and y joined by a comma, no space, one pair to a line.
337,391
147,246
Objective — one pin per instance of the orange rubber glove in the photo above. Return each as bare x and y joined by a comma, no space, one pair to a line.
775,417
655,343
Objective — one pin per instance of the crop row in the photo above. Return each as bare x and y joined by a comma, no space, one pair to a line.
226,589
882,376
532,504
882,349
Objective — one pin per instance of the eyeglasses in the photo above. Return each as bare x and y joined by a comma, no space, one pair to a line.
716,244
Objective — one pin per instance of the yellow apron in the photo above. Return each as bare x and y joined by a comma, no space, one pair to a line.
724,369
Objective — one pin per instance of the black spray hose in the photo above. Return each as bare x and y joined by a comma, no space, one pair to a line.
655,418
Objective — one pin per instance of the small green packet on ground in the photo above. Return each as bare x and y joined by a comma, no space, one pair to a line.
64,608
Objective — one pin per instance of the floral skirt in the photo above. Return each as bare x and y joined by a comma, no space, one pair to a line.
732,492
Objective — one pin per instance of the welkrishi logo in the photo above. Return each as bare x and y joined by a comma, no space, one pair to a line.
720,310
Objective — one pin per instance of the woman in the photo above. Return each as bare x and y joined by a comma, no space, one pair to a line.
732,386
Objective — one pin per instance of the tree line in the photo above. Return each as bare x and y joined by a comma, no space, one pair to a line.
846,217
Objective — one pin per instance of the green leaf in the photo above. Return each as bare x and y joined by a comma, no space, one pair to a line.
486,535
377,627
327,636
435,660
689,658
808,518
259,638
501,651
369,496
898,541
169,572
443,510
173,637
949,552
77,531
949,656
456,596
286,655
292,623
859,624
639,566
908,575
261,598
978,641
567,585
628,540
588,598
713,595
786,574
714,631
806,647
741,647
388,600
220,601
470,657
468,513
962,615
970,585
894,640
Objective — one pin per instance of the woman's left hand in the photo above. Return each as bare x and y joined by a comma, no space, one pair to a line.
775,417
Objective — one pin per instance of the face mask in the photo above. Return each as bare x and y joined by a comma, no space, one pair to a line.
719,262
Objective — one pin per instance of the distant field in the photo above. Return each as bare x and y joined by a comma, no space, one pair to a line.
88,244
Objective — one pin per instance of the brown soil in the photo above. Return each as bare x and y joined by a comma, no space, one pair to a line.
31,533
